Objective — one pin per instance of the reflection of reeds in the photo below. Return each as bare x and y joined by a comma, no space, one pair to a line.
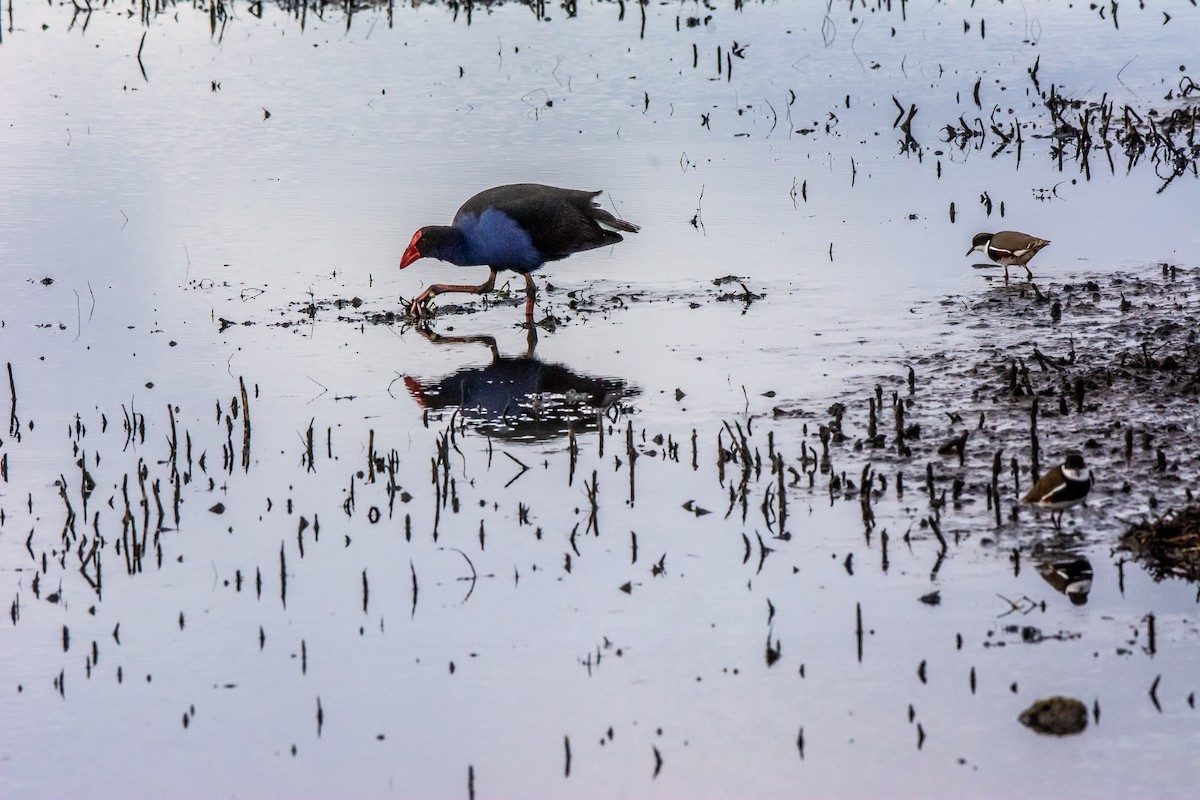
858,630
631,455
1034,448
1163,138
283,574
14,423
245,426
307,460
573,452
142,66
593,495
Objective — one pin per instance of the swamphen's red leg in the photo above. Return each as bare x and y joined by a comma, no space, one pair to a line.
420,305
530,296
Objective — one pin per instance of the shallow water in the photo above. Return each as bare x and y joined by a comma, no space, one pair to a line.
424,602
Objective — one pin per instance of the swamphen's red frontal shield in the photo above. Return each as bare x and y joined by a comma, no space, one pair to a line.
518,227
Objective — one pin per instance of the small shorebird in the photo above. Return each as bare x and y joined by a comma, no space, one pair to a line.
1008,248
1062,487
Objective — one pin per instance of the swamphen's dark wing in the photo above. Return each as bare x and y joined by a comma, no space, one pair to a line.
559,221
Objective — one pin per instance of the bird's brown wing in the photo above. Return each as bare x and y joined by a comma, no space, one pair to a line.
1017,244
1046,487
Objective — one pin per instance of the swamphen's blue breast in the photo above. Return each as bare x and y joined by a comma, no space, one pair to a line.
494,238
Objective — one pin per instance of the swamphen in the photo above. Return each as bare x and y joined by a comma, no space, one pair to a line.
517,227
1008,248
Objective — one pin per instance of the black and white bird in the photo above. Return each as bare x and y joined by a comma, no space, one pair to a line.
1008,248
1062,487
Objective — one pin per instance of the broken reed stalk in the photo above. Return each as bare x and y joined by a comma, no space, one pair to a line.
282,575
898,405
143,472
245,426
593,492
158,526
778,459
14,424
937,531
371,456
173,443
227,449
858,629
867,481
572,450
721,455
1034,469
310,464
175,490
70,522
437,498
995,487
631,455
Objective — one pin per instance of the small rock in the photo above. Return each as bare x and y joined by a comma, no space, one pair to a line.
1056,716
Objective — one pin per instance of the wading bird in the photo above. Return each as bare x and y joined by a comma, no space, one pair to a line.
517,227
1008,248
1062,487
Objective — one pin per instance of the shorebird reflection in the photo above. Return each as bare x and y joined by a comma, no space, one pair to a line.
1070,575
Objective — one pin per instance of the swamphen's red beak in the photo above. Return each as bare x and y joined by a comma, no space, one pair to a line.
412,253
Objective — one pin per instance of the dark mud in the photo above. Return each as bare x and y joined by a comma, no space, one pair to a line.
556,307
1167,546
1108,366
1056,716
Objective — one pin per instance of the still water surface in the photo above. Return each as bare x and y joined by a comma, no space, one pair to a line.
358,601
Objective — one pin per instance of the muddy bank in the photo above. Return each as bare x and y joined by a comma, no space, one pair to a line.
1108,366
1167,546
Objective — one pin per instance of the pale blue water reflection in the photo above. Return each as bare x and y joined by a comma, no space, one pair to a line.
399,663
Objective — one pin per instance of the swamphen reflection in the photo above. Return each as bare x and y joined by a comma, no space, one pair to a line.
519,397
517,227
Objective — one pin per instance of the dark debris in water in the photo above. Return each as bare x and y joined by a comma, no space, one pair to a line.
1168,546
556,307
1056,716
933,598
745,296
